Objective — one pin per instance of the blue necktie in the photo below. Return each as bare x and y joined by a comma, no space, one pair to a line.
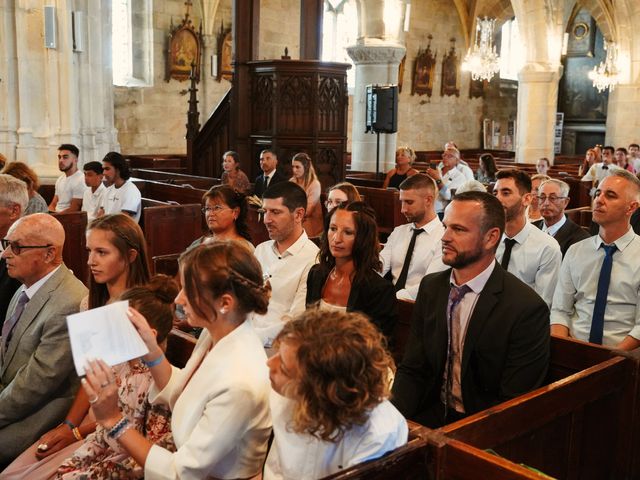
597,322
7,327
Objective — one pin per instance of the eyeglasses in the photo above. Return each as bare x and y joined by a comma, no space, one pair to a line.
214,209
551,198
332,204
17,248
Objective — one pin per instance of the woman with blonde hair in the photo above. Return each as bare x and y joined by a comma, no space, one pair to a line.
329,405
22,172
405,156
304,175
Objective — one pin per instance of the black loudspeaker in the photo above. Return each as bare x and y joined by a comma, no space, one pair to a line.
382,109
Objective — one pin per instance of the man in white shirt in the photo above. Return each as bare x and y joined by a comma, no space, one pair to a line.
285,259
70,185
592,302
92,199
448,177
634,157
122,196
599,171
408,258
531,255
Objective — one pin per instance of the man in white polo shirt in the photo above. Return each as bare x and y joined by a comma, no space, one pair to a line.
122,196
285,259
69,185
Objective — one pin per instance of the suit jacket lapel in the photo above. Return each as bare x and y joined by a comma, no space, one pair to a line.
30,312
486,302
441,325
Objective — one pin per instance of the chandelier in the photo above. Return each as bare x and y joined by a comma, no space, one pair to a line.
482,60
606,74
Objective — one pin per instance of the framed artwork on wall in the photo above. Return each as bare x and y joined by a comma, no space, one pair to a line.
450,73
424,71
184,50
225,54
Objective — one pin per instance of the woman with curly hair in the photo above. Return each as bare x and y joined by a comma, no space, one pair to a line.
225,211
329,404
232,175
219,400
23,172
305,175
347,275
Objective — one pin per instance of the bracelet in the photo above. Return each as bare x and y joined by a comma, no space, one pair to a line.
153,363
119,428
69,424
76,433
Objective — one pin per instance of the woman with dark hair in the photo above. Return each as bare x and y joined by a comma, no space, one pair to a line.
405,156
305,175
232,175
347,275
486,169
22,172
225,211
329,405
219,400
343,192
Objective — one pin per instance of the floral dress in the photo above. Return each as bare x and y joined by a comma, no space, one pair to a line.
102,458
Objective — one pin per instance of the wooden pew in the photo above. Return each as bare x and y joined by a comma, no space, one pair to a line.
386,204
167,265
74,252
180,345
195,181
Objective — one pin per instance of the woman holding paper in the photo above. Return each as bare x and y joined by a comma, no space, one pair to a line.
219,401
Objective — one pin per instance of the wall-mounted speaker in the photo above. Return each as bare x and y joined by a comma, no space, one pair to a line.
77,24
50,27
382,109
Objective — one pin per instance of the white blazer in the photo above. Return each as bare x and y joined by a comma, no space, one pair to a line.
220,411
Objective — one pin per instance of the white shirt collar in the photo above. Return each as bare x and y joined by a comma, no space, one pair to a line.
33,289
478,282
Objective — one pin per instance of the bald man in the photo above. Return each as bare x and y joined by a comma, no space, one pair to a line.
37,377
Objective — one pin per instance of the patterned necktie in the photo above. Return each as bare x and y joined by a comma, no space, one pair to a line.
404,273
597,322
7,327
454,357
506,256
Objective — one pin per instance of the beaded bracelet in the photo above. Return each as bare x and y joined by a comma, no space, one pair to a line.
119,428
153,363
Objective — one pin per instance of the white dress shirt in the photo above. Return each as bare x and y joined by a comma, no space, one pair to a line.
127,198
287,272
598,173
535,259
220,411
68,188
295,456
450,181
426,258
575,294
92,201
553,229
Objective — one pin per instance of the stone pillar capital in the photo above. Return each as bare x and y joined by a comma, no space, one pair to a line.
376,54
540,73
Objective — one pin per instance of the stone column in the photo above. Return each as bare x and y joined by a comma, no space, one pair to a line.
537,105
623,121
375,64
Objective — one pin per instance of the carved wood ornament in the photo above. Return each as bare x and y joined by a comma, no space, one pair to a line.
450,73
424,71
184,49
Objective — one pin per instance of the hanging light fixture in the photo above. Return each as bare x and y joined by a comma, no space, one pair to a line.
606,75
482,60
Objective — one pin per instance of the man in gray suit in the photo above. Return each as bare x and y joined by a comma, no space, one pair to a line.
37,377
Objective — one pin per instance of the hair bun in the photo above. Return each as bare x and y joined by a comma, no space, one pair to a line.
163,287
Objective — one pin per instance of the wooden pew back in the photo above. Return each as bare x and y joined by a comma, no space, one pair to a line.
386,204
74,252
180,345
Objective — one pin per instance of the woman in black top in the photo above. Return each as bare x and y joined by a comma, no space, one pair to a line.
405,157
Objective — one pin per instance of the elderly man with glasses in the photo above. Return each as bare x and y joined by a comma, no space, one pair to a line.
37,377
553,198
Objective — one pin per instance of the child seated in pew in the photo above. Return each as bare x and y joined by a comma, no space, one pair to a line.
329,403
97,457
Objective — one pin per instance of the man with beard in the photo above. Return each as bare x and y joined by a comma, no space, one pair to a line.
413,250
70,185
479,336
527,252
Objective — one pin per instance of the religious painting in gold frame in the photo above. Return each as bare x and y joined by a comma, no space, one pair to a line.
184,49
225,55
424,71
450,73
401,73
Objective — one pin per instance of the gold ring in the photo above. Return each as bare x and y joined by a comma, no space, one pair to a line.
93,400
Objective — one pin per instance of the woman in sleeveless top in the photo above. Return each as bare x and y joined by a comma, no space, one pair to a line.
405,157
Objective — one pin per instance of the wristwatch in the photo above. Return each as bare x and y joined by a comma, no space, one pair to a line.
438,182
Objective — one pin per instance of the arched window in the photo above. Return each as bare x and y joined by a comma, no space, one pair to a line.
512,52
132,42
339,31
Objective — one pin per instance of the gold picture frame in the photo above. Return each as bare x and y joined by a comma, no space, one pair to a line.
184,51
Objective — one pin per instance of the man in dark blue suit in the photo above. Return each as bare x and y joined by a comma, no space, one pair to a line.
270,175
479,335
13,203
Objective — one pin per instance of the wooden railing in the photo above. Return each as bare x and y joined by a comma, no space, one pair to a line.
212,141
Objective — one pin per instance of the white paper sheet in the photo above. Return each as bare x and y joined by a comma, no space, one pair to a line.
105,333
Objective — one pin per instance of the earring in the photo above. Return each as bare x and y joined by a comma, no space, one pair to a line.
223,311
